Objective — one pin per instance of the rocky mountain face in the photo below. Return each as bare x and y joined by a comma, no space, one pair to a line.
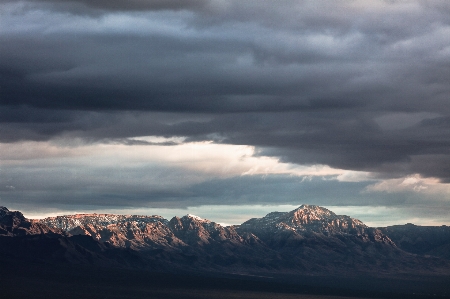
149,232
123,231
316,239
311,221
145,232
15,224
309,239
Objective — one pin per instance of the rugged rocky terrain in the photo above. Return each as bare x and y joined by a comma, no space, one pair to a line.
15,224
309,248
309,239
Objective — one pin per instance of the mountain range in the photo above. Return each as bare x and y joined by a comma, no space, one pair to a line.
309,239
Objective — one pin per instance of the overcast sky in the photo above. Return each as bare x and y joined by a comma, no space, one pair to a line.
226,108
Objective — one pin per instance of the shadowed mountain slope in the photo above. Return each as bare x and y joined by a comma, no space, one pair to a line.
421,240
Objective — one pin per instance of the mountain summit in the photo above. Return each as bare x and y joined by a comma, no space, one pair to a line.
13,223
313,219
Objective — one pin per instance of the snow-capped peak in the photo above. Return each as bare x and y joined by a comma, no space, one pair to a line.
313,212
195,217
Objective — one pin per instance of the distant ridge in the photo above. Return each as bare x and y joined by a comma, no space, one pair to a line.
309,239
69,222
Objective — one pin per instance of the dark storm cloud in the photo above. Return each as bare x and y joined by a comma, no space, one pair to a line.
361,85
129,5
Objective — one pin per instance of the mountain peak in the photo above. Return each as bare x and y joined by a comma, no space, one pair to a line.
195,217
13,223
313,208
307,218
312,212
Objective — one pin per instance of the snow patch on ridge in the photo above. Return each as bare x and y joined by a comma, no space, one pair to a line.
195,217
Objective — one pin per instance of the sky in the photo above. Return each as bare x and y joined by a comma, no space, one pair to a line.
227,109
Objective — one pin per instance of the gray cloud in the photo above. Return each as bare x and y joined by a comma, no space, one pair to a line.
308,81
344,197
131,5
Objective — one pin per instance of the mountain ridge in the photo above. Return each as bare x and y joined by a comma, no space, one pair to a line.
309,239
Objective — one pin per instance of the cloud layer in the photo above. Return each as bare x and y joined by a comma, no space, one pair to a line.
355,85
